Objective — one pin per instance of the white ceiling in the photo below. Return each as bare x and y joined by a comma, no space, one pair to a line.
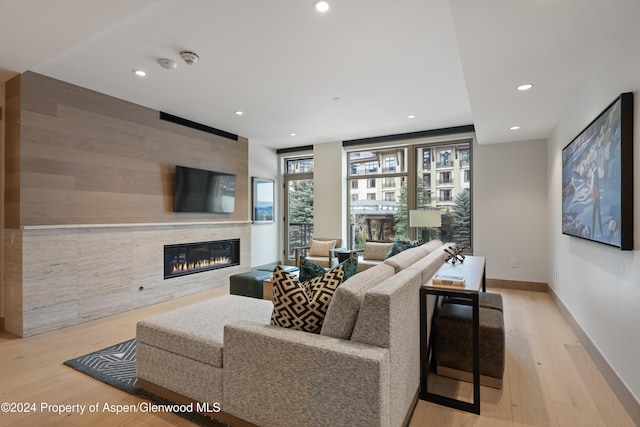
357,71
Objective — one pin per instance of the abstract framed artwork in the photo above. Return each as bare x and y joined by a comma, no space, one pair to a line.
597,178
262,204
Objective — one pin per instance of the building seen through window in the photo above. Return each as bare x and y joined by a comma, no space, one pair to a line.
379,201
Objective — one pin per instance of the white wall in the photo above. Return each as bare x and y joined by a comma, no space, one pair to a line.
509,206
600,285
265,248
329,196
509,190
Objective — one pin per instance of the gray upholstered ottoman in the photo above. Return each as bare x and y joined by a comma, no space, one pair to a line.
485,299
453,343
182,350
249,284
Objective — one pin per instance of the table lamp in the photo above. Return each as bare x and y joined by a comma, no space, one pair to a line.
425,218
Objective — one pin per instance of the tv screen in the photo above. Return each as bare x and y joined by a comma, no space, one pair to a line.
198,190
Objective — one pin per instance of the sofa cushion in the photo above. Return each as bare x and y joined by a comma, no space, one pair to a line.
309,269
405,258
345,304
376,250
303,305
364,264
321,247
429,264
431,245
196,331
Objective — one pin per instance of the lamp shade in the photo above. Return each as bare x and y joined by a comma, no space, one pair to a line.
425,218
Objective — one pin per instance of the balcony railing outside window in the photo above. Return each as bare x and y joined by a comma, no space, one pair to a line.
300,234
445,164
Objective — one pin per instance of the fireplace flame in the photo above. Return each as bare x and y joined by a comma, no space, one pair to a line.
188,266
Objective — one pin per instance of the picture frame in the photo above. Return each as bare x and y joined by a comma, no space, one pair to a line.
262,200
597,178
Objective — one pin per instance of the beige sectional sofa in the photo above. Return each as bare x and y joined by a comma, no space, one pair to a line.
374,253
362,369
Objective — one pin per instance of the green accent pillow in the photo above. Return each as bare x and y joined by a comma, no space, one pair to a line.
350,266
400,245
309,269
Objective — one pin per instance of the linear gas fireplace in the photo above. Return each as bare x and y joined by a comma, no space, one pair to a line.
189,258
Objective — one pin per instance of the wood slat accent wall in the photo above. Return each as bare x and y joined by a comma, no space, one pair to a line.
88,158
12,154
89,205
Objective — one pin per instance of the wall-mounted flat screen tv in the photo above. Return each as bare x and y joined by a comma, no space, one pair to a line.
198,190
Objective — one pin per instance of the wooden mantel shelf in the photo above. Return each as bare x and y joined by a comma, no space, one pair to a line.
131,225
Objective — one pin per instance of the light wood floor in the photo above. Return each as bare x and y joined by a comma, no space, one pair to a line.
549,379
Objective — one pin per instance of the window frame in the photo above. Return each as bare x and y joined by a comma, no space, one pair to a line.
457,148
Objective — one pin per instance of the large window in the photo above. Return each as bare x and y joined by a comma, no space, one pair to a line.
298,203
441,173
376,187
451,192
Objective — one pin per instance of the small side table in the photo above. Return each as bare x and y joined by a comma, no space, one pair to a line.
343,254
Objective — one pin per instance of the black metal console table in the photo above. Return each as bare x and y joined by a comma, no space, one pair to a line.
473,271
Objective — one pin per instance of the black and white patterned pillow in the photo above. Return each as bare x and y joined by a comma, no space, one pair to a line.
303,305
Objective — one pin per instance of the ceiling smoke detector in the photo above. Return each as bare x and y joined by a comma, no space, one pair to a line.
169,64
189,57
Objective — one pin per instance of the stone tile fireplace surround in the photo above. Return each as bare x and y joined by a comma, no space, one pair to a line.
64,275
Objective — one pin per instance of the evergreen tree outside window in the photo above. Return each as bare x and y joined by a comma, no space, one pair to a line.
374,193
299,203
440,181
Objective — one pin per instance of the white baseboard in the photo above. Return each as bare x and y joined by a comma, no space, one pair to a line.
624,395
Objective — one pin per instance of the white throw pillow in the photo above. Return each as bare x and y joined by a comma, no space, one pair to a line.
376,250
321,247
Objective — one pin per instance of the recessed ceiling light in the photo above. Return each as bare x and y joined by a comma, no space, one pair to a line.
292,134
239,113
525,86
321,6
514,127
140,73
412,116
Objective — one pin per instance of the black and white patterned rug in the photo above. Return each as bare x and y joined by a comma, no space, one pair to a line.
116,366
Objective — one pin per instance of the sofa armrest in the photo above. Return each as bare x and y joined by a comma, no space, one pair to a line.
275,376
